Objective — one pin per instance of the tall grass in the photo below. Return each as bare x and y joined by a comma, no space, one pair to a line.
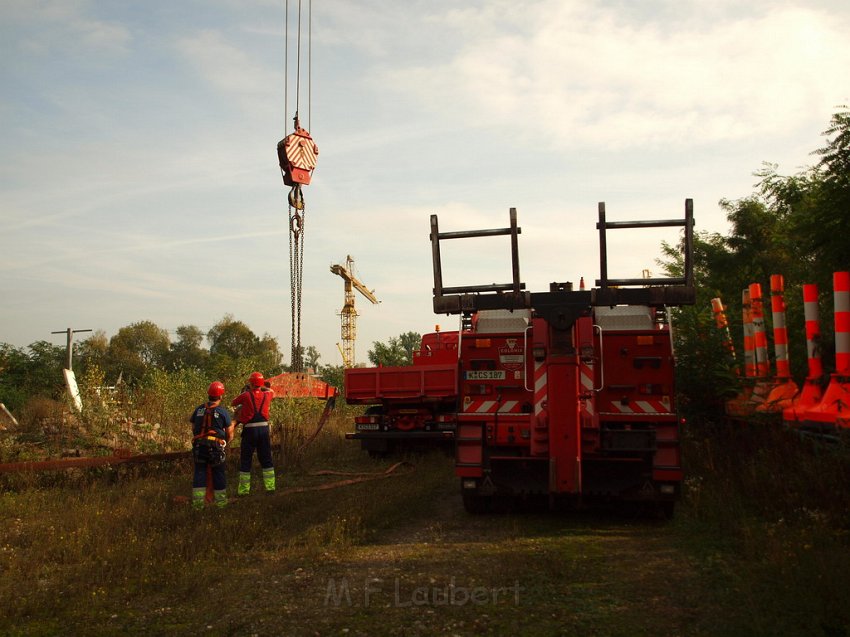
87,543
771,512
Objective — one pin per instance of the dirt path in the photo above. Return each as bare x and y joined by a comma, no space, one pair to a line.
443,571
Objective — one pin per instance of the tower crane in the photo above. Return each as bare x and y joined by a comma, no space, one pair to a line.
348,315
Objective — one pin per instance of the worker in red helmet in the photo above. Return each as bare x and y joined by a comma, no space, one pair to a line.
212,429
252,411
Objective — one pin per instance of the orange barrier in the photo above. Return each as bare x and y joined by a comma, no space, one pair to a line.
811,393
833,411
722,324
739,406
784,388
756,364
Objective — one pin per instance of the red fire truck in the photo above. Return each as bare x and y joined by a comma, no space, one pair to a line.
567,394
411,406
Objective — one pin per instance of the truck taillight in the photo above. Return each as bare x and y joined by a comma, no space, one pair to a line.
366,420
446,418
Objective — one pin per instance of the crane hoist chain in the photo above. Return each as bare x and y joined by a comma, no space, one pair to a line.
297,154
296,276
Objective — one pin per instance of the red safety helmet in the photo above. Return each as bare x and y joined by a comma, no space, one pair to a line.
216,389
256,379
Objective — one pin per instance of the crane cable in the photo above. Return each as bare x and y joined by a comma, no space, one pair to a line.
295,198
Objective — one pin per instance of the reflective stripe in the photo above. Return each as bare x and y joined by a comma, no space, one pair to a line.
255,424
198,495
268,479
244,487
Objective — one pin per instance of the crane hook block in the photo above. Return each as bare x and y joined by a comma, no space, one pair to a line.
297,154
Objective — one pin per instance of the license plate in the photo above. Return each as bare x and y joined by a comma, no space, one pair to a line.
485,374
369,427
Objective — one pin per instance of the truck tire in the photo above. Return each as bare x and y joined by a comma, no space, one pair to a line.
477,504
667,508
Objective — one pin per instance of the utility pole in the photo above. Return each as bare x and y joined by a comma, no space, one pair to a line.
70,349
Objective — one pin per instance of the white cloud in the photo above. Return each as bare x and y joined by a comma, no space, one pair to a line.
64,27
572,75
233,71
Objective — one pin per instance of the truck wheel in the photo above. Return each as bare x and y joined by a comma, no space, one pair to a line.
477,504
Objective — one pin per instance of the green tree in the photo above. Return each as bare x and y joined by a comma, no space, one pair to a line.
36,372
137,348
397,351
269,357
311,357
91,352
235,350
232,338
187,352
410,342
333,375
792,225
14,363
44,368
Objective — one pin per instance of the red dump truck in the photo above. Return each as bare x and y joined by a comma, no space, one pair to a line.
411,406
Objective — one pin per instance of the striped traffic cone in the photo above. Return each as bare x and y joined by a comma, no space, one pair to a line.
833,411
784,388
811,393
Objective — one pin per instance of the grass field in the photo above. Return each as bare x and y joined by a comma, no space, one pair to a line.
111,552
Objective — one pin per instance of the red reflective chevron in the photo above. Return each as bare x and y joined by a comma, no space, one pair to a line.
488,406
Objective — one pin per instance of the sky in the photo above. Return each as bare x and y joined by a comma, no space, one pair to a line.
139,176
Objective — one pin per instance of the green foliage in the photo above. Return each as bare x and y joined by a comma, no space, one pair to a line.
397,351
100,410
167,399
91,352
136,348
235,348
769,498
704,376
187,351
310,357
792,225
33,373
13,368
333,375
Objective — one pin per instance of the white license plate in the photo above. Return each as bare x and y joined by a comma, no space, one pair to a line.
486,374
369,427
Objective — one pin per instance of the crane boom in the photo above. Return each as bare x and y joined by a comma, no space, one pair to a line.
348,315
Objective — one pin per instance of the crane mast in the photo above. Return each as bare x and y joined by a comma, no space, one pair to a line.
348,314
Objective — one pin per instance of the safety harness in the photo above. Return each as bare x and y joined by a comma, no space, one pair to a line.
208,446
257,419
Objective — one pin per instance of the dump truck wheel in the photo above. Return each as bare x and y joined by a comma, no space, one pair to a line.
477,504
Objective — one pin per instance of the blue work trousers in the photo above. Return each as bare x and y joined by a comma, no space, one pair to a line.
255,438
218,474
